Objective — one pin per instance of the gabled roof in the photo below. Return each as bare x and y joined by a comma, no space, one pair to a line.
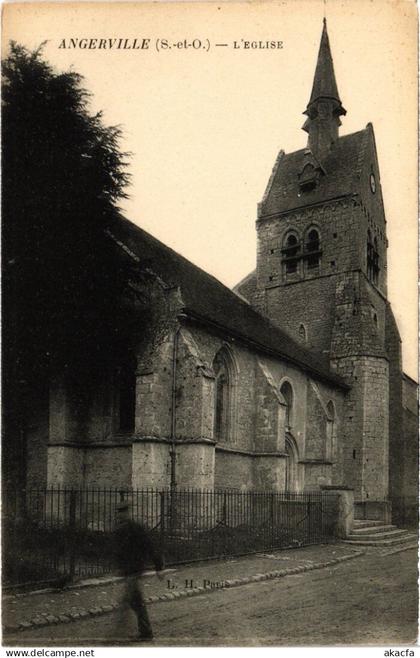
342,166
207,300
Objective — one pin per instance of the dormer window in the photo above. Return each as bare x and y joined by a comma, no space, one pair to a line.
310,172
308,178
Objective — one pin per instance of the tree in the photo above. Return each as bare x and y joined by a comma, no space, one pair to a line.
64,284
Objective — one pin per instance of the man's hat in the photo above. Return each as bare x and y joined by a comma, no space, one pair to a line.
121,507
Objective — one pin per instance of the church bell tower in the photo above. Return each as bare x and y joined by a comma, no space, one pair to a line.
321,269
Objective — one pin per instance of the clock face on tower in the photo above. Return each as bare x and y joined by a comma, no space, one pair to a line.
372,183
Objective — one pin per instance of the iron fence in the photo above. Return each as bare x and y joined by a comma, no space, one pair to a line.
62,534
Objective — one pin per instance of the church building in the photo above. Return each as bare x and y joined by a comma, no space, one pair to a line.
292,381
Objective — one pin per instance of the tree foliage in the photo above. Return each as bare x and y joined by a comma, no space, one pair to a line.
63,175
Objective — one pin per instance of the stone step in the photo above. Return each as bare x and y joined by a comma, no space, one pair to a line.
391,534
362,523
384,542
401,548
373,529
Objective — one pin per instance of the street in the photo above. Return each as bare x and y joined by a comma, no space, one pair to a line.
366,601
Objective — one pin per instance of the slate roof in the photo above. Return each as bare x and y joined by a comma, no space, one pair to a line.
208,300
342,166
324,85
247,287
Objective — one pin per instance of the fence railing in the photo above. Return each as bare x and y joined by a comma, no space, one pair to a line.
59,533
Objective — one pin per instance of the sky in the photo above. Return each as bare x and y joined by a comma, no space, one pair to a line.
204,125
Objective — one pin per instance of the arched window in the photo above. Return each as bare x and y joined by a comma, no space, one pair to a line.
287,393
224,396
127,393
312,249
369,255
375,261
291,480
290,251
372,258
330,438
221,397
302,333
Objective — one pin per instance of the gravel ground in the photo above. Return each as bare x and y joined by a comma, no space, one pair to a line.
369,600
22,609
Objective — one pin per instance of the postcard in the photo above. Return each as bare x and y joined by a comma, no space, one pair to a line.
210,433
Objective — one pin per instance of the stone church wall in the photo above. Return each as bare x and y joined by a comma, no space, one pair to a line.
65,466
317,475
37,436
150,464
309,295
234,470
154,392
317,428
376,431
105,467
373,209
195,465
304,306
282,372
194,397
396,437
365,426
410,437
269,412
208,346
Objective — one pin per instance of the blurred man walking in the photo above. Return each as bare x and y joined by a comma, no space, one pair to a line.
134,549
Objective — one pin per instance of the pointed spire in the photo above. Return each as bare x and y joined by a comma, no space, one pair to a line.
324,85
324,108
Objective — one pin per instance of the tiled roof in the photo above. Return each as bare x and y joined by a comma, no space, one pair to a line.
207,299
342,166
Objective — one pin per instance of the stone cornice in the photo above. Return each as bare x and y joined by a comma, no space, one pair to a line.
249,453
161,439
316,462
128,442
357,354
309,209
88,446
